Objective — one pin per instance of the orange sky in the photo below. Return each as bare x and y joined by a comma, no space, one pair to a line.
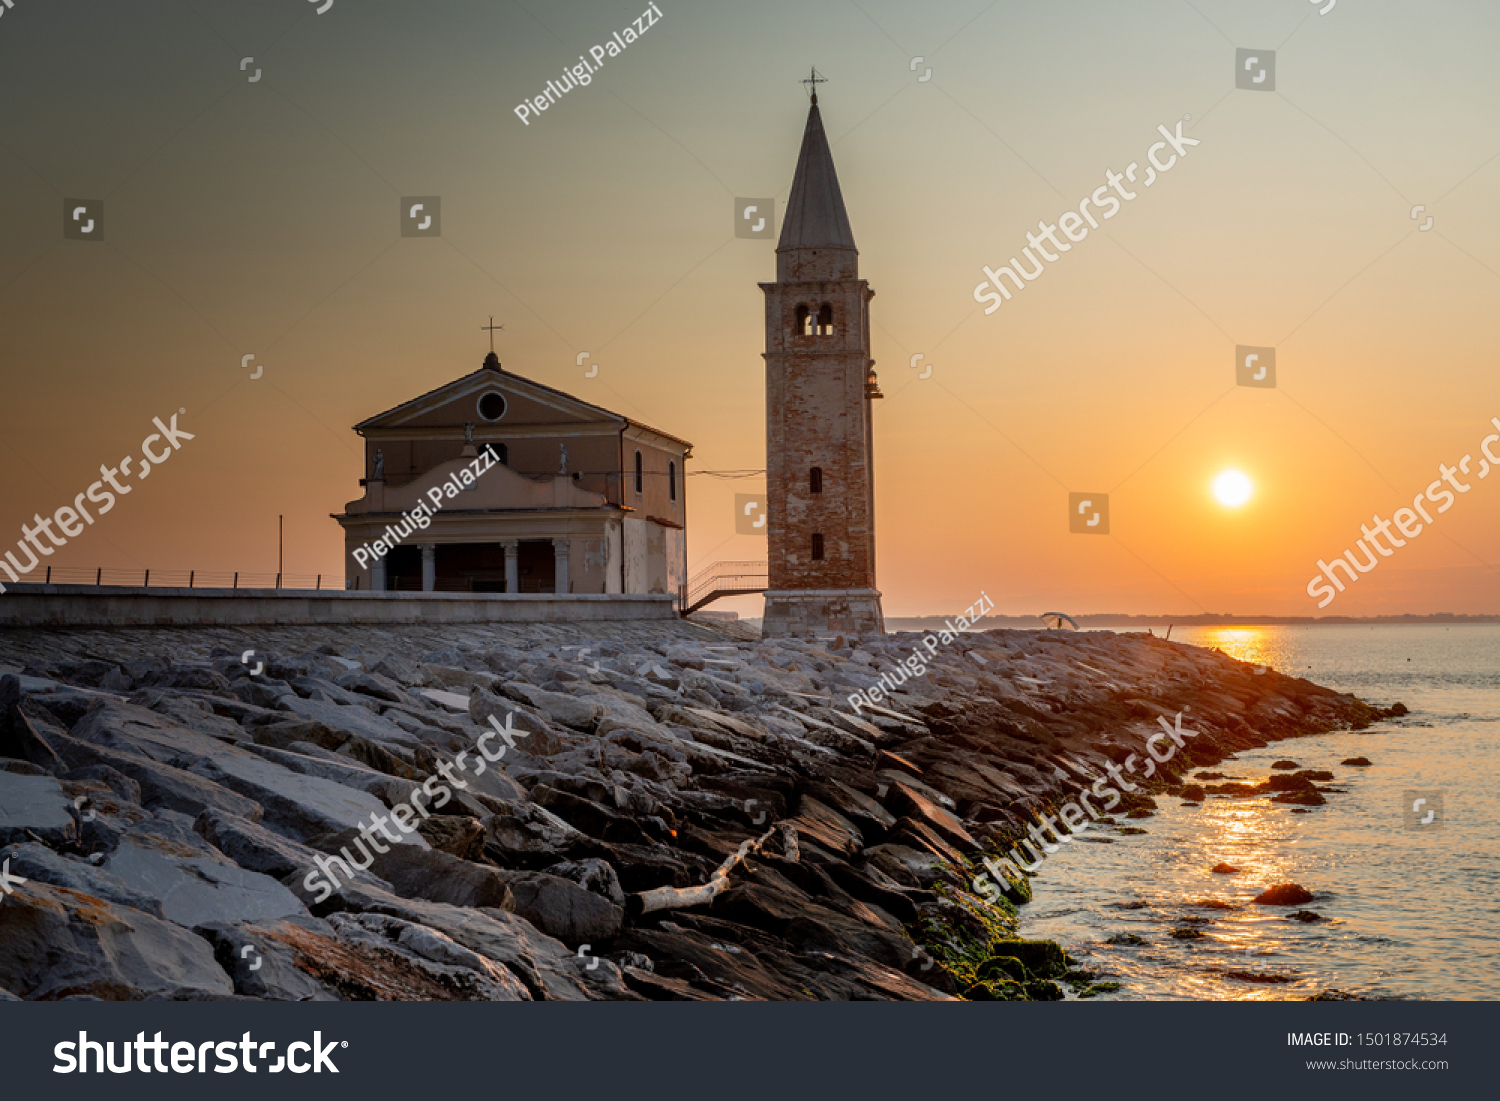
262,218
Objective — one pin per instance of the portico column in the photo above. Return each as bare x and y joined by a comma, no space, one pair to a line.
429,567
560,570
377,574
511,549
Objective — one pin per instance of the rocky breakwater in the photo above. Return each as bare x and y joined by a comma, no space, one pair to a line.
646,811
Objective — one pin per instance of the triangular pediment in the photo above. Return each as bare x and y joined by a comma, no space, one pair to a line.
467,400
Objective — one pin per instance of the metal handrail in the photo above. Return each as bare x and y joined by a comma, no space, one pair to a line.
101,576
724,579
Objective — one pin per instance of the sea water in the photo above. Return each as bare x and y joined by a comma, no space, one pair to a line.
1411,898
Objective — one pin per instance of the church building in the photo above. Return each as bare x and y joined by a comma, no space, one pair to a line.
497,484
820,385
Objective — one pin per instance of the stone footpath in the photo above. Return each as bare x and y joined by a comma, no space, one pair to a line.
175,824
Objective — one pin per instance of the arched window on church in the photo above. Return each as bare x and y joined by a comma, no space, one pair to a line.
804,321
672,481
817,547
815,480
825,320
640,473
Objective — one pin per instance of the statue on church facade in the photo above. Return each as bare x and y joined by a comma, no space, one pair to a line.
379,466
562,447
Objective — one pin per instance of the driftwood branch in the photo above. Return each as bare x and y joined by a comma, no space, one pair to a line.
678,898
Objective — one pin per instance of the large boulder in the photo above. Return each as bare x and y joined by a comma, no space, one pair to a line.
520,830
25,726
195,884
532,735
1043,958
34,807
356,957
39,863
351,720
377,687
296,805
565,910
549,970
56,942
257,849
449,676
162,786
422,872
457,835
311,760
580,714
592,874
1284,894
352,747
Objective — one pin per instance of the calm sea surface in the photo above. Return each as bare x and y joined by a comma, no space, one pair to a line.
1414,910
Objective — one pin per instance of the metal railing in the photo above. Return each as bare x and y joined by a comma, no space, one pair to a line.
725,579
177,579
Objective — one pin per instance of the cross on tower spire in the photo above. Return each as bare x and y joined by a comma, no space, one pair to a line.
812,83
491,327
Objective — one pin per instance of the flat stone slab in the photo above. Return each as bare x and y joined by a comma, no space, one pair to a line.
39,863
454,701
56,942
34,804
350,718
296,805
195,890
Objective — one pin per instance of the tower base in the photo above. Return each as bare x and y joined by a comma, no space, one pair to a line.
792,613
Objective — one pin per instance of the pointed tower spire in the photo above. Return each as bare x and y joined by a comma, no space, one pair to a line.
816,241
820,379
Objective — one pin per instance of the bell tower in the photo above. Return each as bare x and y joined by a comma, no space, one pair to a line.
820,382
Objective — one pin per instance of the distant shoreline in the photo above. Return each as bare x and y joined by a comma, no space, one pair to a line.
924,623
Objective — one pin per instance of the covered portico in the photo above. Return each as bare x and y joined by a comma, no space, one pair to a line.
506,533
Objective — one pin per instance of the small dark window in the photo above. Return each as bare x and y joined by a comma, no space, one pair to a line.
577,476
640,476
672,480
817,548
815,480
825,320
502,453
492,406
804,321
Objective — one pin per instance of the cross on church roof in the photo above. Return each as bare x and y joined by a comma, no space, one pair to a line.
812,83
491,327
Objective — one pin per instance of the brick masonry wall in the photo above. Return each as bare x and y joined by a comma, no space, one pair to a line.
817,414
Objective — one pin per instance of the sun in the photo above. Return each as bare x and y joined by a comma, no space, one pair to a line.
1232,489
